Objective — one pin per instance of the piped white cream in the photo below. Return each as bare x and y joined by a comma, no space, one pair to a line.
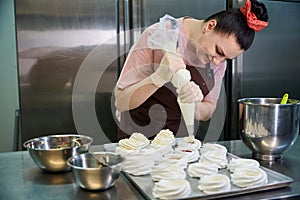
171,189
244,177
242,163
215,156
140,162
163,171
191,154
214,183
164,138
201,169
129,145
189,143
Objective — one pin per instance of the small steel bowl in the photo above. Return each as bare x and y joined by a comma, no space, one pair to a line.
267,127
50,153
90,174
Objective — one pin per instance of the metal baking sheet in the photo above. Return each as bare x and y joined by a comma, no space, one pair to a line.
275,180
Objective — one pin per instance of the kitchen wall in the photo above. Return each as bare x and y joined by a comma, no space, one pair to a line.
9,81
8,75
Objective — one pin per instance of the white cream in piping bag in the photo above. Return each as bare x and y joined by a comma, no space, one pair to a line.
166,38
179,79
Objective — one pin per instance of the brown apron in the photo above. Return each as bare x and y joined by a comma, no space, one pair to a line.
161,110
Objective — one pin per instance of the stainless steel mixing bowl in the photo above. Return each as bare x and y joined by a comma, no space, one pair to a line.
91,174
51,152
267,127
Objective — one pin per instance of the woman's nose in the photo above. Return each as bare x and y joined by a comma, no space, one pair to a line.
217,60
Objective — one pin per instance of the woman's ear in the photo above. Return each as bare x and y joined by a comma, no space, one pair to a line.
210,25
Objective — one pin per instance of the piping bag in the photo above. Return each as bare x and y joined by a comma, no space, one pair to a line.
166,38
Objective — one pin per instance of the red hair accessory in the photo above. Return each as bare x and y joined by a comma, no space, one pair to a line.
251,18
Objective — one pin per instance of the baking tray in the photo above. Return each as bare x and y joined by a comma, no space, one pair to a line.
275,180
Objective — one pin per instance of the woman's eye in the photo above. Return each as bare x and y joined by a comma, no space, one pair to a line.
219,52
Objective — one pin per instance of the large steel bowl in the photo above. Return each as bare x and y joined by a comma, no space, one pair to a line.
97,171
267,127
50,153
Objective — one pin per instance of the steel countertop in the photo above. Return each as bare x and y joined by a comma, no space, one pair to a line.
20,178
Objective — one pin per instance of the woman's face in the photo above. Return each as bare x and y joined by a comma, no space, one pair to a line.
212,47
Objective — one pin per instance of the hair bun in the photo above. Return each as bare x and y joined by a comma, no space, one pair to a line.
259,9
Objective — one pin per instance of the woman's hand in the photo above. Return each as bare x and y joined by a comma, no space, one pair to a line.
190,93
169,64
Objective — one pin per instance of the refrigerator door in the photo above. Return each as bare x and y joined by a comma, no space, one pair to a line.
154,9
65,82
271,66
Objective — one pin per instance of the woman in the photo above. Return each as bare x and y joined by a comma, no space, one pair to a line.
144,95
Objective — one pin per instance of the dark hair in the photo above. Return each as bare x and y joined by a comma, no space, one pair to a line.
232,21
